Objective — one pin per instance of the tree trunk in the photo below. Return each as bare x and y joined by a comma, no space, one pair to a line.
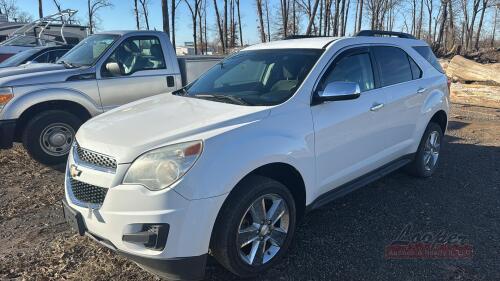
420,19
226,41
174,7
91,29
219,25
360,15
311,19
200,25
136,14
336,18
261,21
166,21
494,26
341,18
40,8
239,22
478,34
268,22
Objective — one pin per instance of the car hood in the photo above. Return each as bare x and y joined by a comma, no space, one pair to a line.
35,73
130,130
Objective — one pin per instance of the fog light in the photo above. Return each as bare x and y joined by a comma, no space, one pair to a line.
152,236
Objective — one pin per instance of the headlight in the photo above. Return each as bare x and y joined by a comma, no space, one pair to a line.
160,168
6,95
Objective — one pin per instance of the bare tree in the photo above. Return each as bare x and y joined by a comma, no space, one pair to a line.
93,7
226,41
58,5
430,6
268,22
311,18
175,4
494,25
194,9
219,25
145,11
261,20
165,16
284,9
8,8
136,14
239,22
483,9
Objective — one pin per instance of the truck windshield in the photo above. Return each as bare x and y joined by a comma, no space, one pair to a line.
88,51
256,78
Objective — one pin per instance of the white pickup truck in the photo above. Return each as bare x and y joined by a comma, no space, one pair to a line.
43,105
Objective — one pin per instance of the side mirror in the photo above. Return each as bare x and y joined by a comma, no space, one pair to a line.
336,91
113,68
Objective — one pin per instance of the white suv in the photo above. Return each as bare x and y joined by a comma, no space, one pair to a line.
227,165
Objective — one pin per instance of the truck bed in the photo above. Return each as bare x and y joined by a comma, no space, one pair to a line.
193,66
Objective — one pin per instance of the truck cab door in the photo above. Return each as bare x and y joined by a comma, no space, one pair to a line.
135,69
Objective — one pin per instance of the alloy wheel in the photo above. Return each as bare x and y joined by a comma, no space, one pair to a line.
263,229
431,150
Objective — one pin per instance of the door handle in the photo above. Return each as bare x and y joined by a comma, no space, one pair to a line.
170,81
421,90
376,107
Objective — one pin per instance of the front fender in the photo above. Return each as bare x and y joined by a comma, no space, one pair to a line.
226,161
20,103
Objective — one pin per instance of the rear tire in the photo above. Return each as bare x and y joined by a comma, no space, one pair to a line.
48,136
427,156
236,223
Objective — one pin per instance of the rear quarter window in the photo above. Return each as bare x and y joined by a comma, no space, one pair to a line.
428,55
393,65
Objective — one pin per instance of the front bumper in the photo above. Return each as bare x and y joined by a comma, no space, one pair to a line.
127,208
185,268
7,133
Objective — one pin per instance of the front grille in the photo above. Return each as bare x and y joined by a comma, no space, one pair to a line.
96,159
87,193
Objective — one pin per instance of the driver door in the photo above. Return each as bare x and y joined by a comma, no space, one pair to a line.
143,72
349,134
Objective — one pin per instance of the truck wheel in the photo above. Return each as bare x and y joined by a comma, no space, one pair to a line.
48,136
427,156
255,226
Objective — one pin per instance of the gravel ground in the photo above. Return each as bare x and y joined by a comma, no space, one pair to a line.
342,241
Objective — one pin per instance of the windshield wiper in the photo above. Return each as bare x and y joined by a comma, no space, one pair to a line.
231,99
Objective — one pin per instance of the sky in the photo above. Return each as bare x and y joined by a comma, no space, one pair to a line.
121,16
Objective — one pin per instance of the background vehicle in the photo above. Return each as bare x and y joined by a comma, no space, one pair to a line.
227,165
37,55
43,105
55,30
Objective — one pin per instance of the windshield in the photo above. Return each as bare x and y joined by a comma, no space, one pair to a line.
89,50
18,58
258,78
29,41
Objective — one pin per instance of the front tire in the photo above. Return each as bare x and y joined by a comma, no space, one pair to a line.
48,136
255,226
427,156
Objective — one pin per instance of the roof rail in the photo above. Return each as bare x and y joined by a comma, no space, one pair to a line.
385,33
290,37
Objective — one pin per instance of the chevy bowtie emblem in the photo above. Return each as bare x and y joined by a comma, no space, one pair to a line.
74,172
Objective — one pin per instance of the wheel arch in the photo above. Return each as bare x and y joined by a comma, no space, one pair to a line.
65,105
440,118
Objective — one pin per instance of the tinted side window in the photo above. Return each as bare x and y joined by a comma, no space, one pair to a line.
428,55
415,70
354,68
393,65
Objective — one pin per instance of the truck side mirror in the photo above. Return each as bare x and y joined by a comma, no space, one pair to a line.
338,90
113,68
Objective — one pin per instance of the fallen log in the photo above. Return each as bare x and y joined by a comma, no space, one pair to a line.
464,70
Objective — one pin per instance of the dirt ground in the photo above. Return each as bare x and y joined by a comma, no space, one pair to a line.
342,241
